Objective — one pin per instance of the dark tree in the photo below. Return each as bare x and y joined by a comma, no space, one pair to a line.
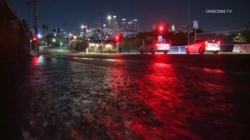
166,27
25,25
179,39
192,33
45,27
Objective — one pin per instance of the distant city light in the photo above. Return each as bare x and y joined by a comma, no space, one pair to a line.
123,19
61,43
114,16
54,40
108,46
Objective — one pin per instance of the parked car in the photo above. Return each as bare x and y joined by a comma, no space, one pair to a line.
152,47
202,45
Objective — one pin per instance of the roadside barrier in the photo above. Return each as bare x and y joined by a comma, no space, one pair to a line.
177,49
241,48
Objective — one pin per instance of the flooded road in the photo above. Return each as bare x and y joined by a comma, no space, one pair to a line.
81,99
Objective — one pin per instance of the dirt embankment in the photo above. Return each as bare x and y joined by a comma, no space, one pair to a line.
14,41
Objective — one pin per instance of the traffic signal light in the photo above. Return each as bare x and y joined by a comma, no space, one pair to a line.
117,38
161,28
34,39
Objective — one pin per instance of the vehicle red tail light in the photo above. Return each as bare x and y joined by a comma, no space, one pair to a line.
218,42
206,42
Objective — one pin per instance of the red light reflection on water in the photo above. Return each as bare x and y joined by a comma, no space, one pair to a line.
38,60
145,106
34,60
42,60
212,70
163,98
158,101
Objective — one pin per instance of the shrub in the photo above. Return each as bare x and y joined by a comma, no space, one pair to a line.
109,50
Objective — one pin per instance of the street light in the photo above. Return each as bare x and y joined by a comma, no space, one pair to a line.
84,28
109,17
39,35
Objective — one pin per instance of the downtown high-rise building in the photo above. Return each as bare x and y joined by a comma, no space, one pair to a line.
132,25
172,28
124,25
114,25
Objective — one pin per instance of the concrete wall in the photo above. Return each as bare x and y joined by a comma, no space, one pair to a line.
14,42
241,48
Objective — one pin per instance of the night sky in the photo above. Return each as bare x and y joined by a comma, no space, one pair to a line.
71,14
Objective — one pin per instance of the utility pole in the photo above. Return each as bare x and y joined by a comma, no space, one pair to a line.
34,2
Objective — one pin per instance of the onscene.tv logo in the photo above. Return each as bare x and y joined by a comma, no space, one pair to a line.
219,11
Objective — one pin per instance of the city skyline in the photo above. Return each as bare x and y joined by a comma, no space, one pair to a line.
70,15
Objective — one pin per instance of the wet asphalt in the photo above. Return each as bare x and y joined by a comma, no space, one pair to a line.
75,98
